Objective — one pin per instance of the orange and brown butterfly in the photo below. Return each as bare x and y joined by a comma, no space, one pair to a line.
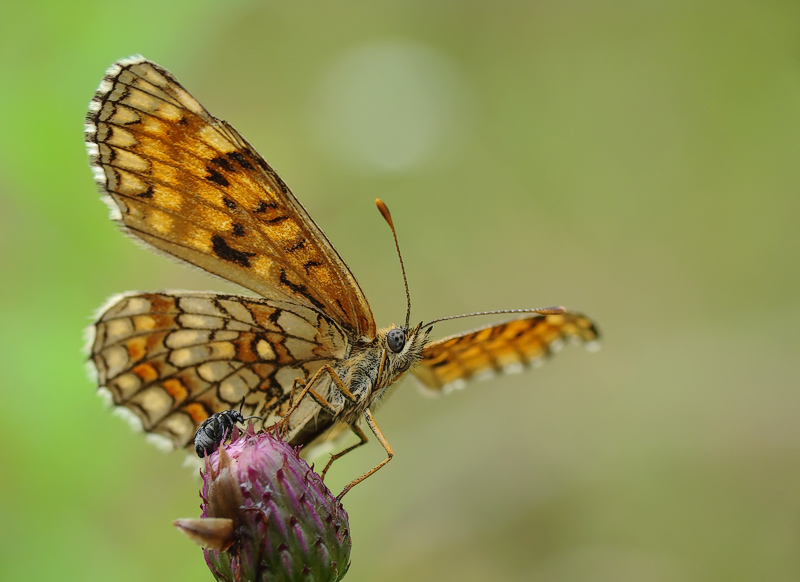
306,350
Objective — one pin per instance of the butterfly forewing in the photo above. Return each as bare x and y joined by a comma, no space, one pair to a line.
176,359
190,185
500,348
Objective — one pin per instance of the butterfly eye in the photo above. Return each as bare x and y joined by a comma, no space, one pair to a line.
396,339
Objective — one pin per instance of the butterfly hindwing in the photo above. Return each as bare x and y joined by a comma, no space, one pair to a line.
175,359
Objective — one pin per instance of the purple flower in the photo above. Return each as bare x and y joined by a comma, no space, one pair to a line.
266,515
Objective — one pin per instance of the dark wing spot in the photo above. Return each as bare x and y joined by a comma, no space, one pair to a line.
274,316
518,334
147,193
216,177
340,304
308,264
263,206
300,289
240,159
229,203
438,363
280,182
276,219
226,253
238,229
222,163
296,246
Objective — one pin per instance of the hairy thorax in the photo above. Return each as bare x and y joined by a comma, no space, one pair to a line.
370,371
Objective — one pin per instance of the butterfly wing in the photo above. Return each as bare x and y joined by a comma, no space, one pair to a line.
188,184
502,348
173,360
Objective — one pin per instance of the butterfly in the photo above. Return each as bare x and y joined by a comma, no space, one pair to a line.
305,352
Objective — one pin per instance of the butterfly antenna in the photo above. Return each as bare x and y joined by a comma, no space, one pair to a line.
388,218
541,310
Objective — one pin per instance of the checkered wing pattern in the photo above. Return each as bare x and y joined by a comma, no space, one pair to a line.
506,347
172,360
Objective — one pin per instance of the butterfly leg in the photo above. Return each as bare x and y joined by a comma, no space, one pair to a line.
362,440
382,439
325,404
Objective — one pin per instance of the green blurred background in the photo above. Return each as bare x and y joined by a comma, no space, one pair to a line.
637,161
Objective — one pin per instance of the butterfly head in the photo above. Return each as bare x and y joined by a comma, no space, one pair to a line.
403,348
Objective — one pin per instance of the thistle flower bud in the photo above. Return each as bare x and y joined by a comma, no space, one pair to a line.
266,515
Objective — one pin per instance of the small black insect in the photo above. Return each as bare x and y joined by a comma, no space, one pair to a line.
214,430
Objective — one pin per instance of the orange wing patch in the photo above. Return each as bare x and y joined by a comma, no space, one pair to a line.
503,348
174,360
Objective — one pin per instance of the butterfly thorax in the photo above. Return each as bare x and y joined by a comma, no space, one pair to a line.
373,367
